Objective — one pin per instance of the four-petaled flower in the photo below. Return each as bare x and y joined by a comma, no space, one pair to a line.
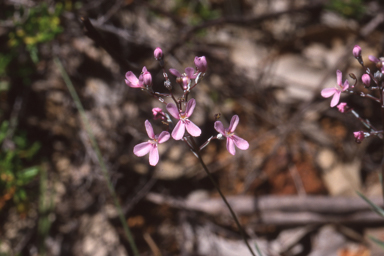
328,92
232,139
184,122
186,77
151,145
132,81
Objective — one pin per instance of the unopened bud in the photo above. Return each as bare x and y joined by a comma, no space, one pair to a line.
201,64
217,116
147,78
356,51
158,53
351,75
366,80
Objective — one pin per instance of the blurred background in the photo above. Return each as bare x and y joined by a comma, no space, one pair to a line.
293,189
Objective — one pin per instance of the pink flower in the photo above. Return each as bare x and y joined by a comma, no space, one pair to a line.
342,107
359,136
232,139
186,77
151,145
201,64
158,113
328,92
356,51
132,81
158,53
184,122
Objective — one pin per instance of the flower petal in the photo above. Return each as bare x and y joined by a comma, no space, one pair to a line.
234,122
131,80
163,137
175,72
339,77
219,127
142,149
328,92
373,59
173,110
231,146
178,131
240,143
144,70
153,156
193,129
335,99
190,72
149,129
190,107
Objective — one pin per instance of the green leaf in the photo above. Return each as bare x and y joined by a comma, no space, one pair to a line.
28,174
374,207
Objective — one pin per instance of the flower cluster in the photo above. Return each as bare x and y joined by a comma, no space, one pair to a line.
180,109
372,82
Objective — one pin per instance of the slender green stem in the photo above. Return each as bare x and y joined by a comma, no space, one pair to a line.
228,205
95,146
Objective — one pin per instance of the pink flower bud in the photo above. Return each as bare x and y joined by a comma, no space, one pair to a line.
158,53
201,64
158,113
342,107
359,136
366,80
147,78
356,51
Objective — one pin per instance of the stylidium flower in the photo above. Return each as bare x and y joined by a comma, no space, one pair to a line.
232,139
359,136
201,64
186,77
184,122
328,92
342,107
151,145
132,81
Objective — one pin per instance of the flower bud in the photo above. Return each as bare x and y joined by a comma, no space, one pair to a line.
359,136
366,80
356,51
147,78
342,107
201,64
158,53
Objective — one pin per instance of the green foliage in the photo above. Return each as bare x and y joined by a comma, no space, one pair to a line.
42,25
347,8
14,174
